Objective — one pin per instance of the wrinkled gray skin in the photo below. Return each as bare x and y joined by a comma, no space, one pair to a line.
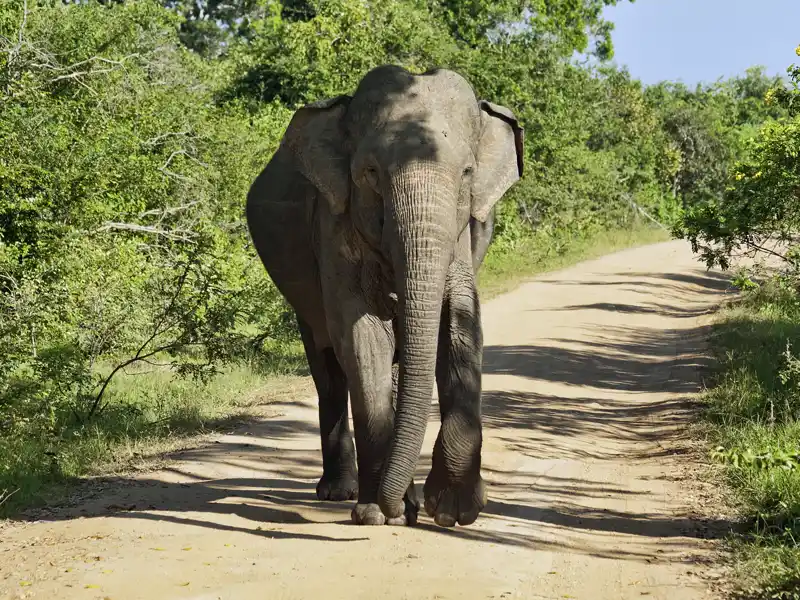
372,219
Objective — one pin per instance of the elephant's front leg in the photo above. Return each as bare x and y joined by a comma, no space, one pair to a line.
366,351
454,490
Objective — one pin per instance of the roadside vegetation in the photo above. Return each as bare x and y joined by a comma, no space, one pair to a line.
133,310
753,404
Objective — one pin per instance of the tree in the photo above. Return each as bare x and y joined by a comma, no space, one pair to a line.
298,61
701,128
760,208
211,27
749,92
120,214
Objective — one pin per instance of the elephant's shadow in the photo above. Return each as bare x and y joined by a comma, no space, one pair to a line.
248,481
255,505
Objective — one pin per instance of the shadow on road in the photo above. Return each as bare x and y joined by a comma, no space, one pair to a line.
709,282
636,360
650,309
553,423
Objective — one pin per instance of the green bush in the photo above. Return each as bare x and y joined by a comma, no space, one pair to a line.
754,408
121,226
759,209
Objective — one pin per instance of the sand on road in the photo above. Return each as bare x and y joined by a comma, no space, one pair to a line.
588,380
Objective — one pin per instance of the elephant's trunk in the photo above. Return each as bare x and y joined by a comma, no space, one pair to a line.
425,219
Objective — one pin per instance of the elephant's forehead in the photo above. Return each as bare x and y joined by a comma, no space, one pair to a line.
441,102
408,138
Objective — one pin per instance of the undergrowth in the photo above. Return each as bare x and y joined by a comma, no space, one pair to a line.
754,410
149,411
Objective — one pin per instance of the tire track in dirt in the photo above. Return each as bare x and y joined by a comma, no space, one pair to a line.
588,376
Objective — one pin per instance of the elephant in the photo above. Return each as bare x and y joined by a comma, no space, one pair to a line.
372,218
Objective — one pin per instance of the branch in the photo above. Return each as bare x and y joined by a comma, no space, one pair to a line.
761,248
179,235
108,61
182,152
177,176
82,84
22,25
77,74
130,361
50,65
149,371
169,210
13,52
528,216
10,279
165,314
160,138
4,496
139,356
153,363
642,211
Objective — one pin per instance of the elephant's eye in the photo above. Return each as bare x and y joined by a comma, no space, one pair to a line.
468,172
371,175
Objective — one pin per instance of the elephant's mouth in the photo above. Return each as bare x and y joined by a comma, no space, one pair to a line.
377,282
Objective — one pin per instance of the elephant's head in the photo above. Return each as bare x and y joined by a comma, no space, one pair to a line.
409,158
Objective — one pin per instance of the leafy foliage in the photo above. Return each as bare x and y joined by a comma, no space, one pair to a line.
212,27
759,209
748,458
300,60
121,236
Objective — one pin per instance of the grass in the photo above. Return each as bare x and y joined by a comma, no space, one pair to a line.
151,413
505,268
753,409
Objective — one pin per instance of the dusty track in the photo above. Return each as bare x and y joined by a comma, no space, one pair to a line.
587,373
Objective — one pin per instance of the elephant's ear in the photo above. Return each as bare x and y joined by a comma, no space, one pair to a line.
499,158
315,139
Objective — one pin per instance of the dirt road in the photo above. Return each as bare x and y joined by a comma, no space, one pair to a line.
587,372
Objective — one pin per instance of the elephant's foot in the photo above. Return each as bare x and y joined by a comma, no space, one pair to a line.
370,514
338,488
450,503
454,491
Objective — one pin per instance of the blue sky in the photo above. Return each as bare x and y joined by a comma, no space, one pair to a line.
701,40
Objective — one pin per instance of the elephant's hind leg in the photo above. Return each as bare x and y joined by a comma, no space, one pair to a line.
339,476
454,491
